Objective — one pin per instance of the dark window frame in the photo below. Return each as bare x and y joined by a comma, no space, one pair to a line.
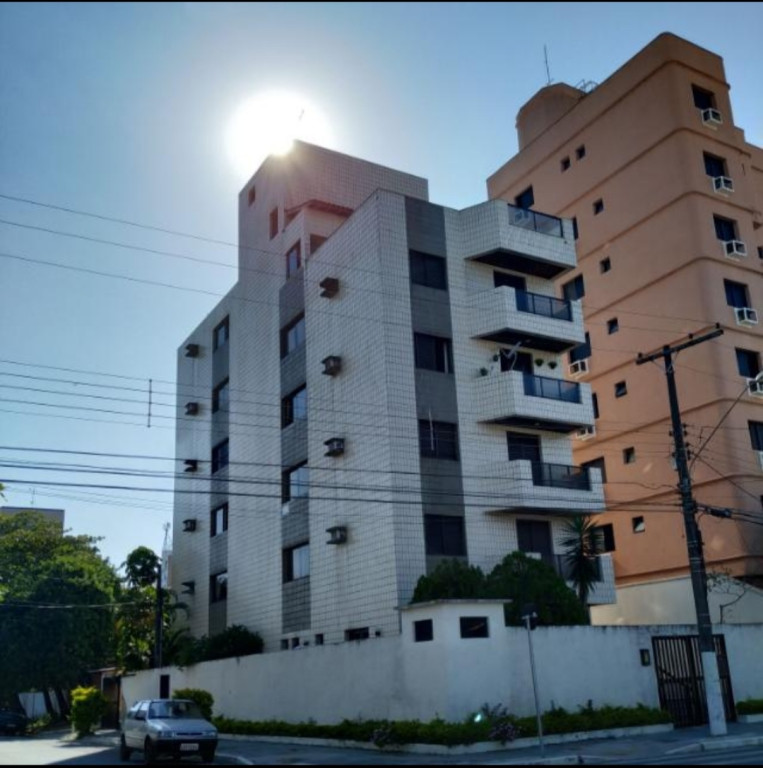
715,165
580,152
433,353
607,536
438,440
605,265
613,326
629,455
748,362
702,98
525,199
565,163
597,463
287,487
445,535
638,524
595,404
273,222
221,333
428,270
221,403
474,627
734,291
423,631
296,562
288,411
293,259
214,528
218,587
574,290
357,633
220,455
598,206
621,388
756,434
725,229
290,341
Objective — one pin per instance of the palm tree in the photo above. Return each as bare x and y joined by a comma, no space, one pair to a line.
583,542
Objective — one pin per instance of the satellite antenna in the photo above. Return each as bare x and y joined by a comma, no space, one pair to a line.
548,71
511,354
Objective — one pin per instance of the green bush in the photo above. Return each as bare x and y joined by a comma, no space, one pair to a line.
496,724
88,707
750,707
236,640
204,699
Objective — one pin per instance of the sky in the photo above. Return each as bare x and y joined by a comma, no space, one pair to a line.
133,112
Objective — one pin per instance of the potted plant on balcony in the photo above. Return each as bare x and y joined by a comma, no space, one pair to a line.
539,361
552,364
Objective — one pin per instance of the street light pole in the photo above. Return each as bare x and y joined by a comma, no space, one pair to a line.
713,694
530,617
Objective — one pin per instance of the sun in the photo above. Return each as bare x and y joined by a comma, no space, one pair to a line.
268,124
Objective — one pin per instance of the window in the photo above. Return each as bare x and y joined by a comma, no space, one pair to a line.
294,407
605,265
595,403
725,229
613,326
519,361
597,464
756,434
598,206
703,99
294,482
736,294
575,227
438,439
319,639
535,536
473,626
444,535
359,633
428,270
273,223
251,195
218,520
629,455
220,334
607,537
582,351
316,241
423,631
294,259
565,163
714,165
748,363
621,389
284,644
523,447
580,152
220,456
220,397
218,587
516,282
639,526
760,251
292,335
433,353
296,562
574,289
525,199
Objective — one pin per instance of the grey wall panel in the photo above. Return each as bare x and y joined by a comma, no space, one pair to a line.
291,298
218,617
218,553
425,225
295,528
294,443
442,489
436,392
296,605
293,371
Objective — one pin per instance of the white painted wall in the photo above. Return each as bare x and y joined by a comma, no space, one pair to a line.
397,678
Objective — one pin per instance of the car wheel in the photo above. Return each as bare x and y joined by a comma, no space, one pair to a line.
124,750
149,752
208,755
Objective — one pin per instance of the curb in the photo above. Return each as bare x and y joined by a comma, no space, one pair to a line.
737,742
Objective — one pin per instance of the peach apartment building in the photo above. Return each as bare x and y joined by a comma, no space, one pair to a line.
666,197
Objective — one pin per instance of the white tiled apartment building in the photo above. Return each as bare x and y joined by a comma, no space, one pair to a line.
347,417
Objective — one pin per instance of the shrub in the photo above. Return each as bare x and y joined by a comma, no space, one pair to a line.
203,698
88,707
236,640
451,579
750,707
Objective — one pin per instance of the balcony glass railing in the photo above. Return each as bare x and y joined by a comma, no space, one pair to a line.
554,389
548,306
538,222
561,476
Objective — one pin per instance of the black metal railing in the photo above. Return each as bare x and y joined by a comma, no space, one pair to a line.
548,306
561,476
562,565
554,389
538,222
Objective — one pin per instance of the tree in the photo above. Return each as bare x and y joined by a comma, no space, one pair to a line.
141,567
518,578
583,542
52,586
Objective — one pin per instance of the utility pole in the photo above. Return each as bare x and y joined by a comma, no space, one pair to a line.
713,694
158,619
530,617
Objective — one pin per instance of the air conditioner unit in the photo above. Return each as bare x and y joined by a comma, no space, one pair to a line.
735,249
723,185
338,534
332,365
334,446
533,555
191,409
586,433
190,587
746,316
191,465
712,118
191,350
578,368
189,525
755,387
760,458
330,286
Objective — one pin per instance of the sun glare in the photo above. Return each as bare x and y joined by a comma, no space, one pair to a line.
268,124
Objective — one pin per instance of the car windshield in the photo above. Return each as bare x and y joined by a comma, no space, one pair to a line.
175,709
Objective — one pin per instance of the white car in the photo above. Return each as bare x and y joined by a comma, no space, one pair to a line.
173,727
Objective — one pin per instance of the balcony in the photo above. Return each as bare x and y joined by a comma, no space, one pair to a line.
604,589
522,400
522,485
508,237
508,316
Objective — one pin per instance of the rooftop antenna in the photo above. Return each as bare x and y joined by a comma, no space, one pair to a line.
548,71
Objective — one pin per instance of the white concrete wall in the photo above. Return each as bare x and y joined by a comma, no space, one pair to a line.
672,601
397,678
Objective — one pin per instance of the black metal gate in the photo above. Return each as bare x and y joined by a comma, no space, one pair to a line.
680,682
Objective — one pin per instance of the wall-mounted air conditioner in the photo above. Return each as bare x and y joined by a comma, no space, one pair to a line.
190,587
586,433
735,249
334,446
723,185
578,368
330,287
191,409
338,534
332,365
191,350
189,525
755,387
191,465
746,316
712,118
